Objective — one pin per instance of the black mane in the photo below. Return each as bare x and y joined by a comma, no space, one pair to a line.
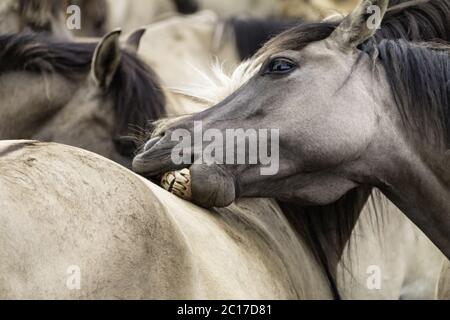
137,96
419,77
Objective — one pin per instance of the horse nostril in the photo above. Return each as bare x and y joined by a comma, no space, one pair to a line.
151,143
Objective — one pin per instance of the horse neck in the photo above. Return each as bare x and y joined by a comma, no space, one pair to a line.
23,114
419,184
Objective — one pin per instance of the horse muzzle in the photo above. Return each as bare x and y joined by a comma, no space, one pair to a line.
209,185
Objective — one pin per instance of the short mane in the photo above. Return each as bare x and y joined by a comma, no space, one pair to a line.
137,96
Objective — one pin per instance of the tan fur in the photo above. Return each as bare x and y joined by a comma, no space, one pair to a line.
132,240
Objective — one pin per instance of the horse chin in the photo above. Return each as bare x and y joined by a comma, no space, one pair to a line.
212,186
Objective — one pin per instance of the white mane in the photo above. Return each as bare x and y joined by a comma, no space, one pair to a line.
209,89
215,87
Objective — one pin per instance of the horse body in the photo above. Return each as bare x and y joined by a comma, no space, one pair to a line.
131,240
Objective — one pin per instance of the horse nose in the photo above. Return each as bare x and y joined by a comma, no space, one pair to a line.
151,143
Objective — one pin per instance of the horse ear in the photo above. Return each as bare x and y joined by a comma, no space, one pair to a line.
134,39
361,24
106,59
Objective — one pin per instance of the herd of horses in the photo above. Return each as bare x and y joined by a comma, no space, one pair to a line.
364,180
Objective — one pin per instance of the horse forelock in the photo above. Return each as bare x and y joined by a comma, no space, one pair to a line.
135,89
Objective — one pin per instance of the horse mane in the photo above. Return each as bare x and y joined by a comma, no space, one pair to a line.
135,90
419,77
416,20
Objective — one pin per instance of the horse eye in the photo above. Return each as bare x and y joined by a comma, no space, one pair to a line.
280,66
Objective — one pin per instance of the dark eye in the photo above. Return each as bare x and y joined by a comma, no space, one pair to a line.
280,66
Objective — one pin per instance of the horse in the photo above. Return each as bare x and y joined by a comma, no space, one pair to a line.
36,15
304,37
414,285
91,229
89,95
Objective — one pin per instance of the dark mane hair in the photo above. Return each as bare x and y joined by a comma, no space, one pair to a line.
135,91
250,34
419,77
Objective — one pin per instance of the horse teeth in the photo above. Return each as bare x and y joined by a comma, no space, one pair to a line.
178,183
